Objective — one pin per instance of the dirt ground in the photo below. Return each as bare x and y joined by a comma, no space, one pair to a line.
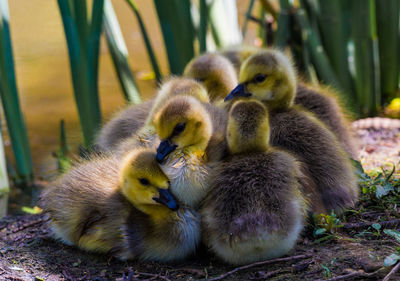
357,252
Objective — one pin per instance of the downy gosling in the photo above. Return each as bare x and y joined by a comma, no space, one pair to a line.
215,72
123,208
136,120
189,143
269,77
146,136
321,101
255,209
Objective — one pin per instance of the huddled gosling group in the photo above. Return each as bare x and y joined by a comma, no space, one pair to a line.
237,153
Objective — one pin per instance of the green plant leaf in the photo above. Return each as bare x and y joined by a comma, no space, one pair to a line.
319,231
10,100
377,226
84,58
178,32
146,39
394,233
387,20
359,168
380,191
391,260
33,211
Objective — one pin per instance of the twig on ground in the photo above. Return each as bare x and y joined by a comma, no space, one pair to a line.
222,276
152,276
366,224
194,271
393,271
358,273
266,275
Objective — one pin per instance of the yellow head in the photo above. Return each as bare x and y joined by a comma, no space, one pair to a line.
144,184
177,86
215,72
269,77
248,127
182,123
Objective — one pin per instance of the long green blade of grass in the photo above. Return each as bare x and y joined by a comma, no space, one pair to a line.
84,55
202,32
63,162
283,31
4,184
178,32
9,96
146,38
80,12
262,28
332,19
93,49
317,53
365,50
119,55
248,15
388,14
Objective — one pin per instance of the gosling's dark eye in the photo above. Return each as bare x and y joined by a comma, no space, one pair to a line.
259,78
179,128
144,181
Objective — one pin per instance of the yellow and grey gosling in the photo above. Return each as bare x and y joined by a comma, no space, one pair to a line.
190,143
321,100
135,120
147,136
215,72
255,209
269,77
123,208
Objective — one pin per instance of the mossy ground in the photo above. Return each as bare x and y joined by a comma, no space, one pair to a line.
353,245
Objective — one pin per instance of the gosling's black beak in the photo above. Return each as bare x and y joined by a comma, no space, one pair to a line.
239,91
165,148
166,198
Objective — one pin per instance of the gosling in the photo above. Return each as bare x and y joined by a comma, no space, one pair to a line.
269,77
255,209
322,101
190,143
123,208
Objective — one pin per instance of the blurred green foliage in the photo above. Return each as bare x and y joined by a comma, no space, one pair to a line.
350,45
11,106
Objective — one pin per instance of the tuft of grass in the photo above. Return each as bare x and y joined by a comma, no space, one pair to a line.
377,206
326,227
326,268
380,189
